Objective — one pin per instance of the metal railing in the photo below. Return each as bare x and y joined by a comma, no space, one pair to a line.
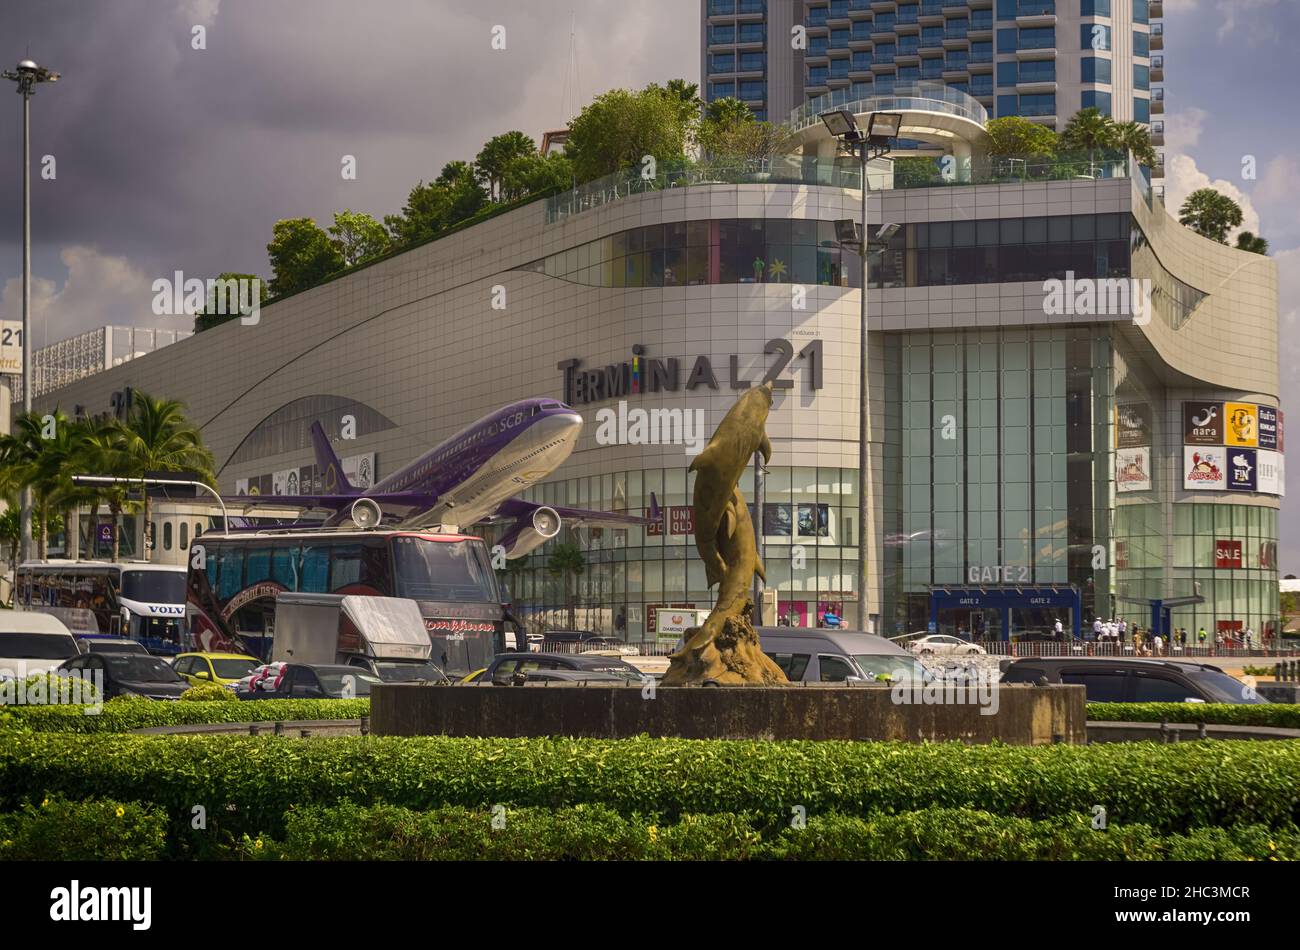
1124,648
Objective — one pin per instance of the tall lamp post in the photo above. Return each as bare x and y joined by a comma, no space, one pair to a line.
882,129
27,74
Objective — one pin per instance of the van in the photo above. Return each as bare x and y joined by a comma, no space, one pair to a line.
32,643
834,656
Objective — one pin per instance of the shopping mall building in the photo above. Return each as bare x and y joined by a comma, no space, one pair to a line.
1073,399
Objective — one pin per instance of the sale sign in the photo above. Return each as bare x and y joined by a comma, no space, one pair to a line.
1227,554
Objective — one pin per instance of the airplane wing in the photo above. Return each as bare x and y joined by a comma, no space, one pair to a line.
401,499
515,508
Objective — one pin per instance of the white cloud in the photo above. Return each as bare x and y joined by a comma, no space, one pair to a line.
1278,186
99,289
201,11
1183,129
1182,177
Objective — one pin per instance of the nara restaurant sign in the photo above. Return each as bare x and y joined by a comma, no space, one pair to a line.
643,374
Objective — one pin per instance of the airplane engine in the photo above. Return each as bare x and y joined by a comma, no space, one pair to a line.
531,532
366,513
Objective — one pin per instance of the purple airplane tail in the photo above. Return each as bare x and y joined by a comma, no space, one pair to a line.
328,462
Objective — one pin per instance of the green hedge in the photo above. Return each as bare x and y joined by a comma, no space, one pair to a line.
1283,715
594,832
1172,787
59,830
145,713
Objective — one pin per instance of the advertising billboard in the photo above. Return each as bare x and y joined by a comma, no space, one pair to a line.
1133,426
1204,468
1241,424
1133,469
1267,427
1227,553
1242,470
1203,423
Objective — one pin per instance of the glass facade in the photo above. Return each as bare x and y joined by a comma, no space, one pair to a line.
995,455
717,251
995,250
809,534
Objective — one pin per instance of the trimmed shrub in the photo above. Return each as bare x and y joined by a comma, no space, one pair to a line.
209,692
1169,787
131,715
594,832
59,830
1282,715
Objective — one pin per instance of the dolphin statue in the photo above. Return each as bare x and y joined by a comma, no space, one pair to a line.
717,471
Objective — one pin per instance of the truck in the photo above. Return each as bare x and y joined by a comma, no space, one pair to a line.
385,636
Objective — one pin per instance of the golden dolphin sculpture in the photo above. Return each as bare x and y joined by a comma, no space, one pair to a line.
719,467
726,649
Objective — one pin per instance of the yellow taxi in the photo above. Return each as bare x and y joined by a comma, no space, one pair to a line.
225,669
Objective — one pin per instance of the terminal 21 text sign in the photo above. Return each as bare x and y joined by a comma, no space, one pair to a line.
642,374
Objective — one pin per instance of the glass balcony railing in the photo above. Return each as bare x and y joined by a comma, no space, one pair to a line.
860,32
982,87
981,56
931,7
951,63
884,59
839,9
818,46
817,16
908,46
751,6
1036,8
929,71
884,23
722,7
752,33
981,21
908,14
921,97
932,36
956,30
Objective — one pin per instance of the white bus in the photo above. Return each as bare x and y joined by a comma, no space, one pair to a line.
145,602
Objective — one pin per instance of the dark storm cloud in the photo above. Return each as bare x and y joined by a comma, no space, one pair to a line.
175,158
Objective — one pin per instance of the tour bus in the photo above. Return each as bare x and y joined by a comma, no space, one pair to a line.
145,602
234,578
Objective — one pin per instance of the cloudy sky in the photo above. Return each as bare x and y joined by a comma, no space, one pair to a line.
173,158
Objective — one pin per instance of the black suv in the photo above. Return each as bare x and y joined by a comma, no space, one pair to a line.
1121,680
504,667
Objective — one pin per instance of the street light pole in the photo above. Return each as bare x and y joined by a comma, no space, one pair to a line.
27,74
882,128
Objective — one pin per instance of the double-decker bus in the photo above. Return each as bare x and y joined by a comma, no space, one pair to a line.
145,602
234,578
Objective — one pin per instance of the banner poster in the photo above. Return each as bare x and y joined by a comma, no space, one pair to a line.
1203,423
1133,469
1204,468
1241,424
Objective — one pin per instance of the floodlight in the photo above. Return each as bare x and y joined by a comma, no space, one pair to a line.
887,231
840,122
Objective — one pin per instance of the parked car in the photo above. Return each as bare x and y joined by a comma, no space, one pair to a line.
130,674
107,644
304,681
32,642
503,667
226,669
400,671
1125,680
939,643
567,676
837,656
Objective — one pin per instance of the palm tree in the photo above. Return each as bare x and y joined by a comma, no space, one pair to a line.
38,455
102,454
1210,214
1088,131
566,561
1249,241
157,437
1136,138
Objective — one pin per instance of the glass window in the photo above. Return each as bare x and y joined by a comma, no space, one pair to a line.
834,669
167,535
1007,40
1095,69
793,665
1153,688
1094,36
1141,76
1101,687
1096,99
